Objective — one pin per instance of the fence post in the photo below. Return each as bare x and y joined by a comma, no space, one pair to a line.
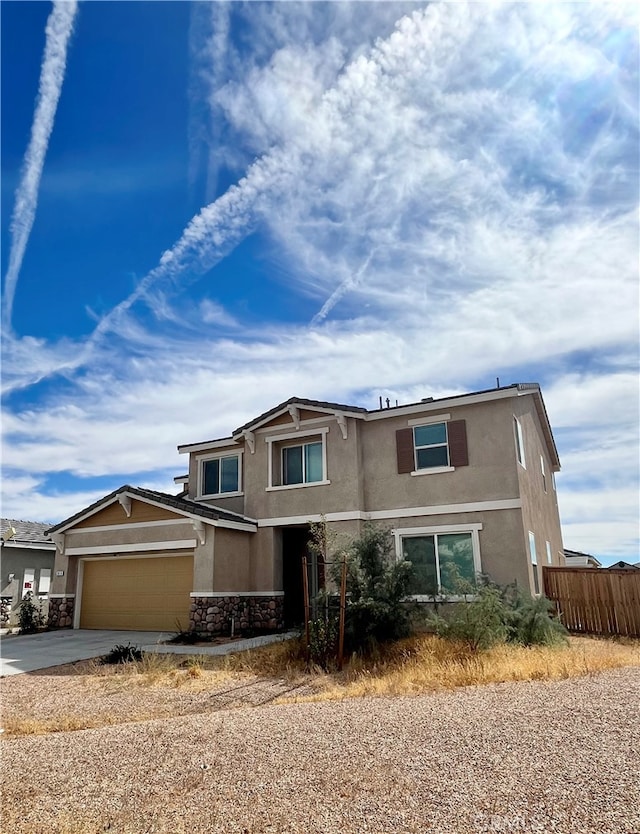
343,605
305,590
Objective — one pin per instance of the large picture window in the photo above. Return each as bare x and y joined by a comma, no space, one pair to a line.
302,464
443,563
220,476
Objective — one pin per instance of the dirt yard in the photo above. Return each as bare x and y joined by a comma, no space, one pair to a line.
558,756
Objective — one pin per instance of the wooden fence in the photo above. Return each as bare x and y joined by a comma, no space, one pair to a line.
595,600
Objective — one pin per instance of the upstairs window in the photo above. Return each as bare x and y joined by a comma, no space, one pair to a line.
437,446
517,428
431,446
302,464
297,459
220,476
544,474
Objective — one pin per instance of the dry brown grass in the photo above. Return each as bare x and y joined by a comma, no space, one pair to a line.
168,685
429,663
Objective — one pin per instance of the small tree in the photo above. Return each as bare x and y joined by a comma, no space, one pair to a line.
30,616
377,589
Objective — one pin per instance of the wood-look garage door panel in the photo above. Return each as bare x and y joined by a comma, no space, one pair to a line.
149,594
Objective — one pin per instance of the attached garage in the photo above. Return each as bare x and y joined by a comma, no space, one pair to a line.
141,594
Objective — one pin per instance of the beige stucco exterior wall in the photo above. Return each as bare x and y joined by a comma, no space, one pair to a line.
489,476
540,509
232,560
502,551
340,495
180,530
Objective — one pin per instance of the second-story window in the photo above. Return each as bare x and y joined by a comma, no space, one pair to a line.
517,428
220,476
431,446
302,464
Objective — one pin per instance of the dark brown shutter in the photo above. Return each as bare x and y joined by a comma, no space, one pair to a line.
404,447
458,452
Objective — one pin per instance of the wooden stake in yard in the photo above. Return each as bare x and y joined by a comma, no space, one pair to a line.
305,590
343,607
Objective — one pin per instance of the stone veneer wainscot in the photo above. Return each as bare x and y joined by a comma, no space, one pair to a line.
212,615
61,612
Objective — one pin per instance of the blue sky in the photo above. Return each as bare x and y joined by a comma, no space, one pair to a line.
210,208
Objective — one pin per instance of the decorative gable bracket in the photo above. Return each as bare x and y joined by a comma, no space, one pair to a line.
250,437
125,502
200,529
342,422
294,411
58,540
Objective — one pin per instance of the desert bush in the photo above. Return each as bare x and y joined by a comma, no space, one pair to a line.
323,640
378,586
30,617
122,654
531,621
489,614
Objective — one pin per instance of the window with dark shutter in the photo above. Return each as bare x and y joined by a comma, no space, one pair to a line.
404,447
458,452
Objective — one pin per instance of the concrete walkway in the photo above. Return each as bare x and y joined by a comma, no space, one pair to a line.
30,652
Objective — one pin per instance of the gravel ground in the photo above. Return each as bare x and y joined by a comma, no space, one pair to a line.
523,757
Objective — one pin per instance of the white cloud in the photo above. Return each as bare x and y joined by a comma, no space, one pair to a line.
58,32
452,202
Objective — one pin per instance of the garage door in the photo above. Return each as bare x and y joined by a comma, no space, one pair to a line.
139,594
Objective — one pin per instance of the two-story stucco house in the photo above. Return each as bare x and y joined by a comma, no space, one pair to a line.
465,481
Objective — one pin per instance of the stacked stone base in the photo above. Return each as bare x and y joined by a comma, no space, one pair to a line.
215,615
5,610
61,612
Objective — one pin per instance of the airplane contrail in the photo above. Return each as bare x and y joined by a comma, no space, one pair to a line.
58,31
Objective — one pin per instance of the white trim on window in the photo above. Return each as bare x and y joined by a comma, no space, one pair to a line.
320,433
534,563
295,486
549,556
400,533
519,438
202,459
434,470
425,421
544,474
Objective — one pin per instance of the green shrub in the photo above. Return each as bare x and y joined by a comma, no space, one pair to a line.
377,589
479,623
122,654
531,621
30,617
495,614
323,641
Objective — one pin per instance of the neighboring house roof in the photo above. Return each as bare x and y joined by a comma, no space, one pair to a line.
624,565
430,403
579,559
27,534
176,502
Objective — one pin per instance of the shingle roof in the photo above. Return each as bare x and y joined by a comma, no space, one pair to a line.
26,531
176,502
355,409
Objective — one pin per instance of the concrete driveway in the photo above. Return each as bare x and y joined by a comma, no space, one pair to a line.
53,648
26,653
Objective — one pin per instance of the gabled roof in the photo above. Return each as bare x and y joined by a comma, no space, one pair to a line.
427,404
27,533
317,405
183,506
